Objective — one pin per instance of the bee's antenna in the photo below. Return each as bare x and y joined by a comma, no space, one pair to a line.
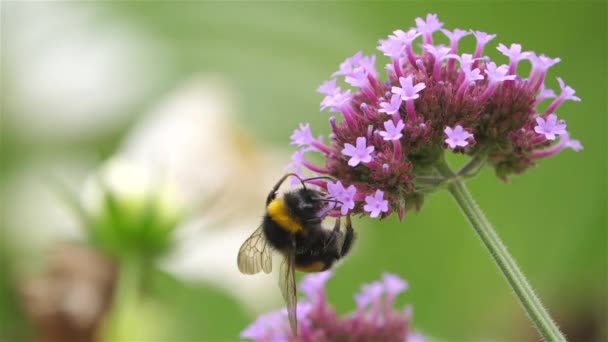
303,181
330,200
320,177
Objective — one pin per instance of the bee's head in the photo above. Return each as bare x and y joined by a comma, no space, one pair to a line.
304,202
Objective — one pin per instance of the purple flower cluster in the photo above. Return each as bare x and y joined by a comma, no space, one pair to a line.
393,132
374,320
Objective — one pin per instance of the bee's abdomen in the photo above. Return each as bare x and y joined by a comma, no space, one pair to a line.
276,236
316,266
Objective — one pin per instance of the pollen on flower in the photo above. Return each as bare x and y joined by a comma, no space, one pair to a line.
392,130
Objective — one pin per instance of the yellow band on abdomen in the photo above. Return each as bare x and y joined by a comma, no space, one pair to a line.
316,266
279,214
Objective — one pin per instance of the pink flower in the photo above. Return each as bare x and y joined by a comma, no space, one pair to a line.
391,107
346,196
359,154
376,204
375,318
488,98
328,88
550,127
392,131
457,137
408,91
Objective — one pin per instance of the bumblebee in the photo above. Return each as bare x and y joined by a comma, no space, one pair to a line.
292,227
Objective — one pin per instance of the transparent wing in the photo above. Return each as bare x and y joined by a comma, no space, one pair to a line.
255,254
287,283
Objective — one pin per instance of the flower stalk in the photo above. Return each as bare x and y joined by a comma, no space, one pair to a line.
126,299
517,281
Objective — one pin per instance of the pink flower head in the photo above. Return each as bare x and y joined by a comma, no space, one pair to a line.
550,127
392,131
359,154
392,107
373,320
430,101
345,195
408,91
376,204
457,137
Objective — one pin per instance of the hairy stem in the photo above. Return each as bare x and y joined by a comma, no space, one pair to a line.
524,292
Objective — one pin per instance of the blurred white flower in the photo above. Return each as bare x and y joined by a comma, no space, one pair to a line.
72,70
33,216
134,185
190,148
191,140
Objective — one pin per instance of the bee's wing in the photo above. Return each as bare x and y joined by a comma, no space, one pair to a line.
255,254
287,283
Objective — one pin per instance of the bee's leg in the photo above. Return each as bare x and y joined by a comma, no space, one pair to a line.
336,226
349,237
334,234
273,193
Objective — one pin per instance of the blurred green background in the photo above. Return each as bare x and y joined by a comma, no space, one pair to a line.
273,56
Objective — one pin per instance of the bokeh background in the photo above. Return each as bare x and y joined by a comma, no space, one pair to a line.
206,94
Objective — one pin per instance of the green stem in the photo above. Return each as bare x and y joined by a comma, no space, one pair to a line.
475,164
528,299
126,299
